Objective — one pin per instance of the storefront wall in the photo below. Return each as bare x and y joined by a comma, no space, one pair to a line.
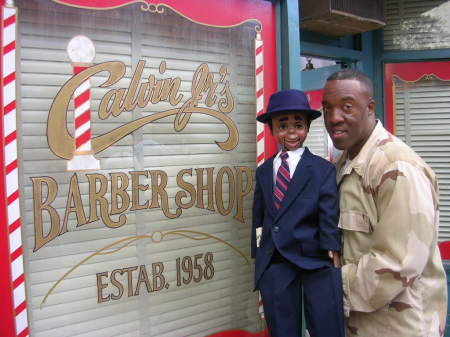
416,46
129,201
416,67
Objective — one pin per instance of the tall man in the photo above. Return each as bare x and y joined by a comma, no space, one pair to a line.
393,280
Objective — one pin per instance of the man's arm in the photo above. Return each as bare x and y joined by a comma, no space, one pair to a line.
401,240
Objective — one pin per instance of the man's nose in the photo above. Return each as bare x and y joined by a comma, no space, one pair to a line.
334,116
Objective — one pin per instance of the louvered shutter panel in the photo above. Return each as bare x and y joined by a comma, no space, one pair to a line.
416,24
317,138
422,120
129,34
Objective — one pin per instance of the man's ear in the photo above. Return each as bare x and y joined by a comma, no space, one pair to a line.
371,106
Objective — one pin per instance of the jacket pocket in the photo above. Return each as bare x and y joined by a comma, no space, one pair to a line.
354,221
356,232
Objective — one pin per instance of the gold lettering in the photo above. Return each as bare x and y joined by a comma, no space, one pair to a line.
157,276
156,87
219,200
187,187
129,272
174,97
162,67
144,95
211,87
208,187
98,196
198,85
116,107
61,142
130,102
74,196
100,287
117,284
136,188
121,192
170,87
226,104
45,190
242,192
39,206
158,188
143,277
167,89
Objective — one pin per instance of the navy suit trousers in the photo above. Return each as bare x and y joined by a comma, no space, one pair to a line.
281,291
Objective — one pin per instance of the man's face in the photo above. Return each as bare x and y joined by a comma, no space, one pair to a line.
290,130
348,112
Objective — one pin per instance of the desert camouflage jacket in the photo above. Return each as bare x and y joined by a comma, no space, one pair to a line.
393,279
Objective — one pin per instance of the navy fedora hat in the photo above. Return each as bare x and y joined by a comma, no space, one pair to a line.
288,101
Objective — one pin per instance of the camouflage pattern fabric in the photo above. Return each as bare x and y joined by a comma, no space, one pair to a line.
393,279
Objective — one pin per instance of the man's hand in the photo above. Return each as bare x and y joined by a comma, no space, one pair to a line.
335,257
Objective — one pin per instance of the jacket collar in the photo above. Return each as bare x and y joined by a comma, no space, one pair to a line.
359,163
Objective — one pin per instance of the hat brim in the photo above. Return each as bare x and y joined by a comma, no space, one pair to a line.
265,117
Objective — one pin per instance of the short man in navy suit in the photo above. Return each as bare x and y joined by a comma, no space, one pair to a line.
295,235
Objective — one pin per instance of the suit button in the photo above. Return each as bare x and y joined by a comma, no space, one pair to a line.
276,229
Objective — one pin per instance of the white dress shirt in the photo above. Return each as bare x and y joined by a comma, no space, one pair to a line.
293,160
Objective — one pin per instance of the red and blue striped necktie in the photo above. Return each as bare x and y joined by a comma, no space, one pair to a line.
282,181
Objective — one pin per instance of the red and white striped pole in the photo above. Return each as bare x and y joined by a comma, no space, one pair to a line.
9,15
81,52
259,77
259,88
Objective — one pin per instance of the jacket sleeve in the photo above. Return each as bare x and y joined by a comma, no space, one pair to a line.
330,234
258,214
401,242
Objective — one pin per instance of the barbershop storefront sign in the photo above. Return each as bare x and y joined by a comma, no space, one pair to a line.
128,204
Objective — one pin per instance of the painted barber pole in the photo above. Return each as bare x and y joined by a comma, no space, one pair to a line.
81,52
9,14
259,87
259,76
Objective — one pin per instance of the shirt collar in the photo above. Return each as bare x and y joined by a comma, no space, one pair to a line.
362,158
297,153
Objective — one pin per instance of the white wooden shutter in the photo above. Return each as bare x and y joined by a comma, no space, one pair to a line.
417,24
128,34
422,120
317,140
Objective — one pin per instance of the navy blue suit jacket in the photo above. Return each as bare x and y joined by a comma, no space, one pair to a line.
306,225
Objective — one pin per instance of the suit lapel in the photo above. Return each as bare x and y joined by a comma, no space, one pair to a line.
299,180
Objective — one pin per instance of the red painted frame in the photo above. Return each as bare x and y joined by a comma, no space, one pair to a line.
409,71
232,12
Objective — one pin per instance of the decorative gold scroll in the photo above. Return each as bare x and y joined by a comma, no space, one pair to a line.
159,9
